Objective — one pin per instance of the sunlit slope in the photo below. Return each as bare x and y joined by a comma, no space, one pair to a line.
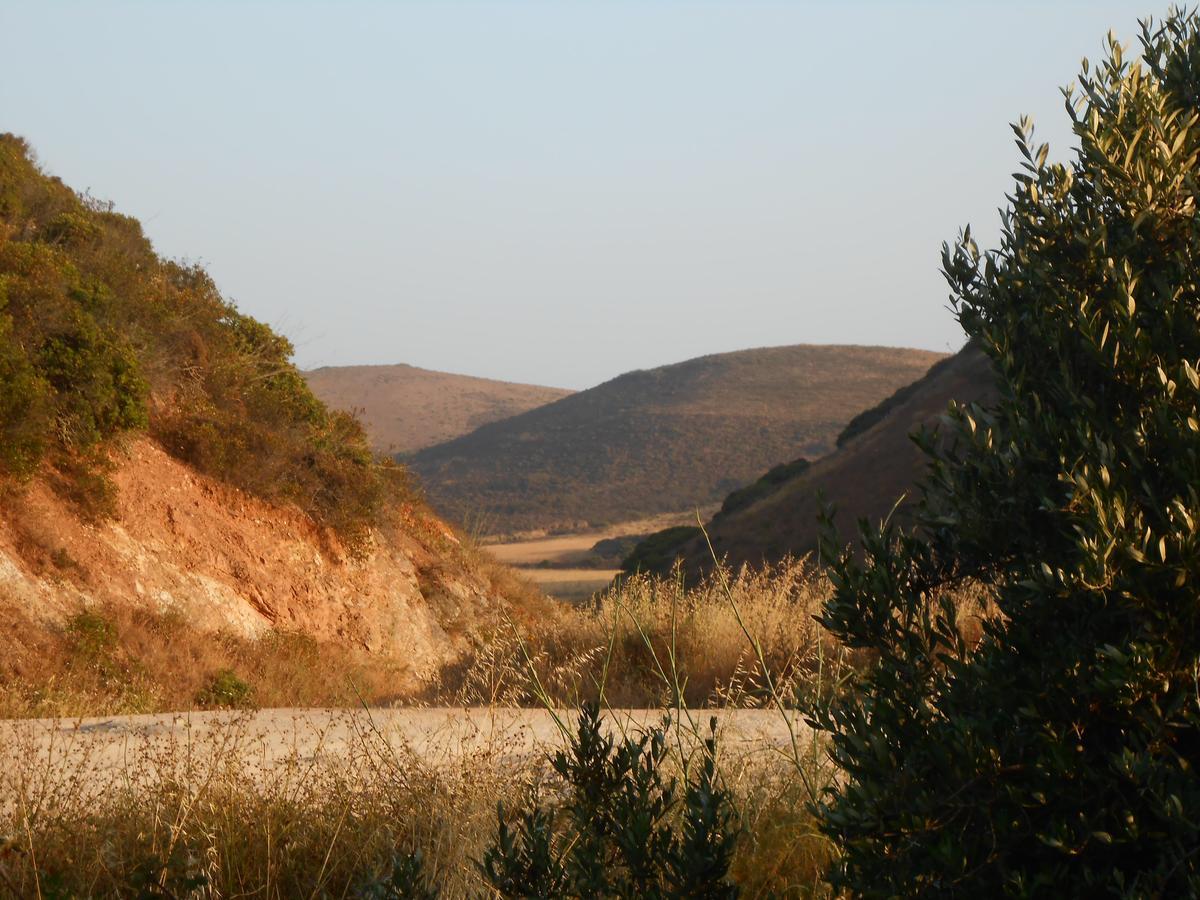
404,408
662,439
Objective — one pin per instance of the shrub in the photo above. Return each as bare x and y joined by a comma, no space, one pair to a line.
620,837
83,479
656,552
225,689
93,635
1057,756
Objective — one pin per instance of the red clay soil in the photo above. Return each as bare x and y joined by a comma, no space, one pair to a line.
230,562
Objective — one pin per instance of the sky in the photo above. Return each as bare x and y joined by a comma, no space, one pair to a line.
554,192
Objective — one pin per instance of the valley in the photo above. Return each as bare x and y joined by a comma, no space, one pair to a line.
573,567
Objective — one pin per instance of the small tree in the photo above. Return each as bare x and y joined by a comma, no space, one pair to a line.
623,827
1057,755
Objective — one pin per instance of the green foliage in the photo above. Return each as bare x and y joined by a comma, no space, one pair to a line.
93,635
24,414
622,830
99,336
746,496
406,881
1057,755
225,689
654,553
83,479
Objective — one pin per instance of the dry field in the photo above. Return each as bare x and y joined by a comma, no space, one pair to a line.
565,549
558,563
572,585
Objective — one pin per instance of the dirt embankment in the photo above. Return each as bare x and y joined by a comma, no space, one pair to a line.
226,561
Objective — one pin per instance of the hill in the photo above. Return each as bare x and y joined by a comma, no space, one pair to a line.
404,408
159,451
660,440
875,463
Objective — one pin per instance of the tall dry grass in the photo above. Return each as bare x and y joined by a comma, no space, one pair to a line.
206,818
202,815
649,642
202,818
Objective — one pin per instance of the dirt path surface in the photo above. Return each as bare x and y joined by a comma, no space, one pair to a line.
267,738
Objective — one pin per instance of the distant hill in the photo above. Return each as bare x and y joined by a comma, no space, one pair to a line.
875,464
405,408
660,440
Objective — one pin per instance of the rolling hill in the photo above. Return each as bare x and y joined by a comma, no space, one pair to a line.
404,408
875,464
660,440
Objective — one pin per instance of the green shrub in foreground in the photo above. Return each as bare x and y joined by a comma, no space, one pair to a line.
625,828
1058,756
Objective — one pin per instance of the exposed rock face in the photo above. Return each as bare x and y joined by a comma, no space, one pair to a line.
230,562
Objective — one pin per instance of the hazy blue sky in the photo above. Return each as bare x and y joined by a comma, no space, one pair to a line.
553,192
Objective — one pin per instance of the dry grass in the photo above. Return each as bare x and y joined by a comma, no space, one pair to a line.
111,660
658,642
327,824
197,817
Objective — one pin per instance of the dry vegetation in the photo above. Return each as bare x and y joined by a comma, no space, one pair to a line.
658,642
639,641
192,818
184,813
331,824
117,660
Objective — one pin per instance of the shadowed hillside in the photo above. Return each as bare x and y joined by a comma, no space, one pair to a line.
661,440
404,408
875,463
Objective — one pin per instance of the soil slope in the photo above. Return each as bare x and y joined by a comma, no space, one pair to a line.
229,562
405,408
661,440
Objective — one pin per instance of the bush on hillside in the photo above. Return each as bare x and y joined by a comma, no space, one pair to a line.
751,493
655,552
99,336
1057,755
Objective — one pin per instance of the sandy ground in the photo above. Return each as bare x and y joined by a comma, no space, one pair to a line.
266,738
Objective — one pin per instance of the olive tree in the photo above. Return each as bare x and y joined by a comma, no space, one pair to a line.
1055,754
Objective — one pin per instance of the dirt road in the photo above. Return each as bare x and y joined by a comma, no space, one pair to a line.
266,738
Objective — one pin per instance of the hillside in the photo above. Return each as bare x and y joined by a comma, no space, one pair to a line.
874,465
404,408
660,440
159,451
